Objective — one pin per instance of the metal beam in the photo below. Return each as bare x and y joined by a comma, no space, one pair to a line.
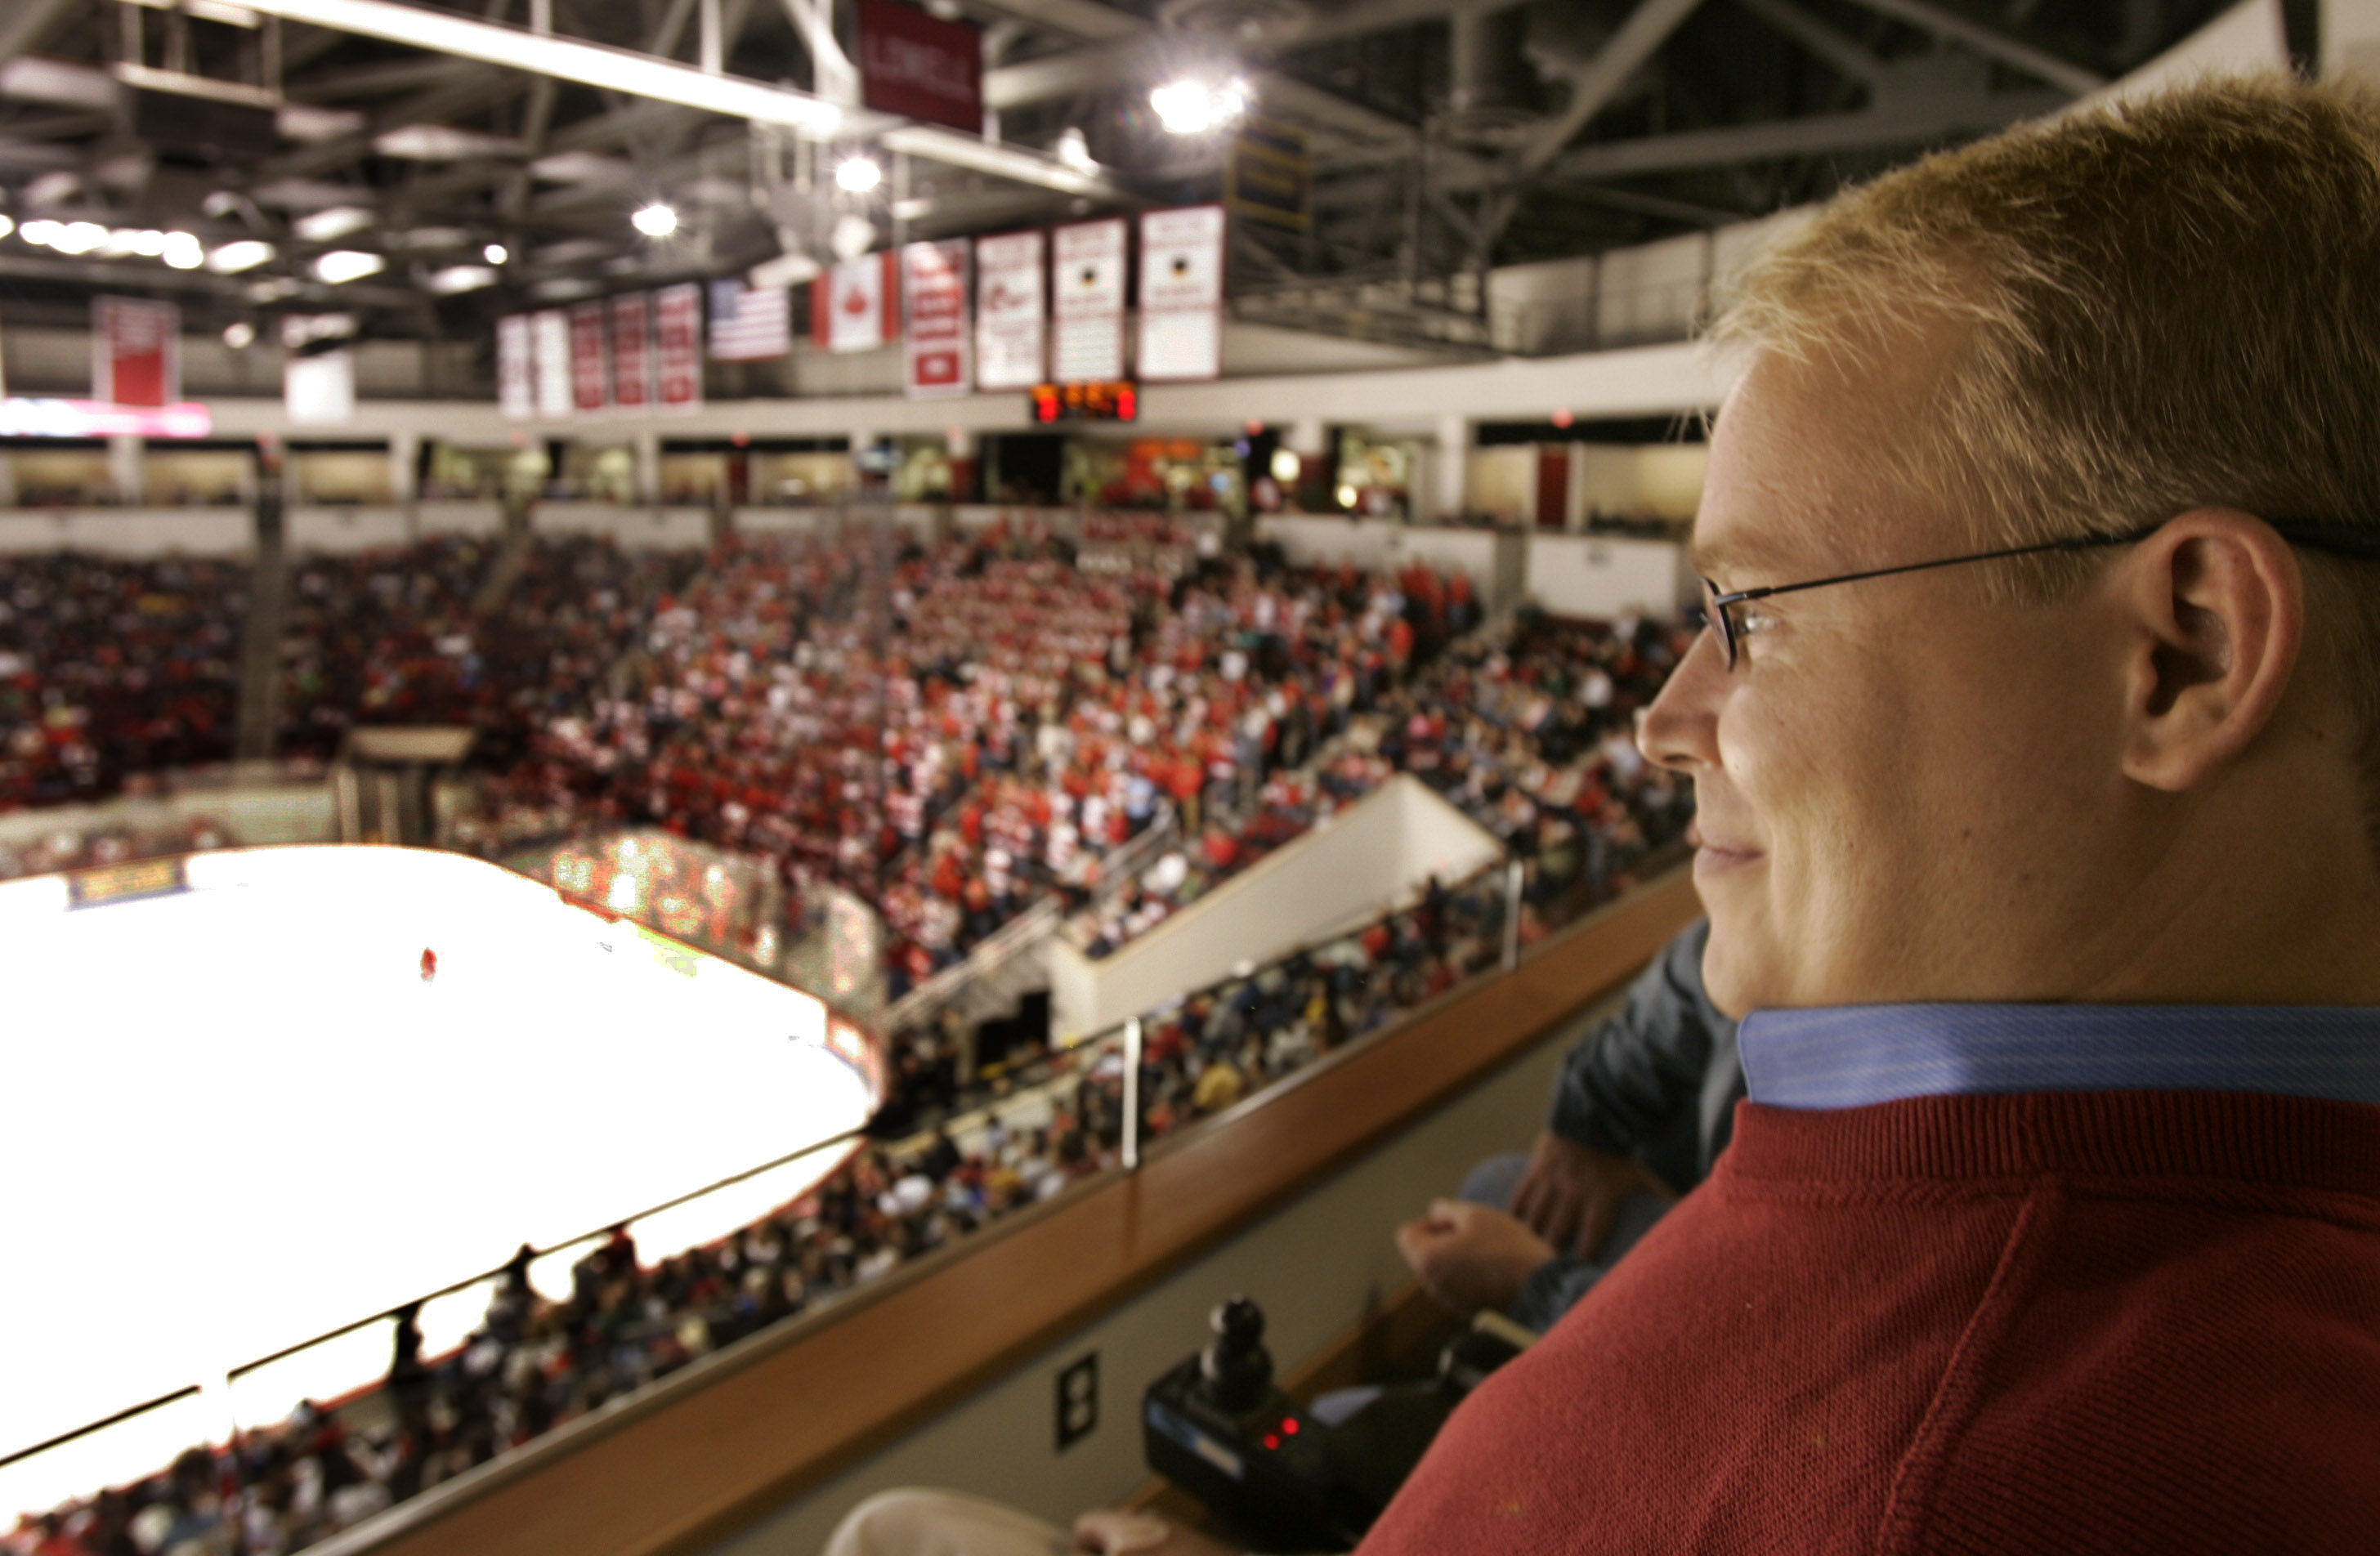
568,59
1646,28
25,23
1841,54
1806,137
1990,42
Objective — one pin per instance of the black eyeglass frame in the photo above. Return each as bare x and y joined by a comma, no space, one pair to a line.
1718,608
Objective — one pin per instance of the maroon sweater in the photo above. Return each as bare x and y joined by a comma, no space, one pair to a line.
2063,1323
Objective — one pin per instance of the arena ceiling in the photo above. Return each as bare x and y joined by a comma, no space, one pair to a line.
1446,137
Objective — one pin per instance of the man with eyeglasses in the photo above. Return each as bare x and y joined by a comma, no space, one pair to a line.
2036,739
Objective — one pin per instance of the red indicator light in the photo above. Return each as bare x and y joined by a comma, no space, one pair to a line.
1271,1440
1127,406
1290,1425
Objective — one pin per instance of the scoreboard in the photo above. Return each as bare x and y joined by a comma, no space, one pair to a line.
1098,401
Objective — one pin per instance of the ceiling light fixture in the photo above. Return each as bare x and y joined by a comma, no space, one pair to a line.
495,253
461,278
342,265
245,254
1193,108
78,237
183,250
324,226
655,219
43,233
857,175
240,336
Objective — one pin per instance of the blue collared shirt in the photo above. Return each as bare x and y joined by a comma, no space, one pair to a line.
1849,1057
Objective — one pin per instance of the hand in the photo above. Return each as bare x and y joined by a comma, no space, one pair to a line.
1112,1531
1570,1194
1469,1256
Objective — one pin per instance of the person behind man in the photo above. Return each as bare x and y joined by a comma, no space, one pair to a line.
2036,748
1643,1105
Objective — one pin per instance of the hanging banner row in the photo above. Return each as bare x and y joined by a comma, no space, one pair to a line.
1046,305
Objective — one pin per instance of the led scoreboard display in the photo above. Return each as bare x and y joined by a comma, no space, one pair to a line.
1087,402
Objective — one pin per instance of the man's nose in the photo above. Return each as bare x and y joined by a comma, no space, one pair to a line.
1680,729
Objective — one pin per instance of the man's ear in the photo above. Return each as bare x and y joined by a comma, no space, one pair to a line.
2214,606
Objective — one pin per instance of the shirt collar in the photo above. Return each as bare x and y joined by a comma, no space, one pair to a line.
1850,1056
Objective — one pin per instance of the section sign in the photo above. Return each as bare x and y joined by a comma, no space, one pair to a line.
933,294
1182,293
136,355
591,358
1087,300
677,334
1011,322
920,66
632,352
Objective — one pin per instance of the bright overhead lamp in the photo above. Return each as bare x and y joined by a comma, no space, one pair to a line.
655,219
247,253
42,232
78,237
461,278
1074,150
857,175
239,335
148,243
495,253
183,250
342,265
326,226
8,224
1193,108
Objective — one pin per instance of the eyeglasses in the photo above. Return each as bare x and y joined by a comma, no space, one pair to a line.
1719,610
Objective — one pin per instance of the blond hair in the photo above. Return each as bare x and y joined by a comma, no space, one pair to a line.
2155,305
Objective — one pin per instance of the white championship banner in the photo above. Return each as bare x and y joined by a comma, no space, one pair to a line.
933,292
1010,323
1087,302
551,342
1182,293
515,368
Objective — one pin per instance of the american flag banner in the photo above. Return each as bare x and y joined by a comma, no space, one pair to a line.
749,324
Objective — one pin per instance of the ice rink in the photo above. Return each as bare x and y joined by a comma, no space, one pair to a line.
244,1109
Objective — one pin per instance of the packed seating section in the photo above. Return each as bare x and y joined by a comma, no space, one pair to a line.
956,730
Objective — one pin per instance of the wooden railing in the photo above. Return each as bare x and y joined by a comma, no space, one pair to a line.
712,1448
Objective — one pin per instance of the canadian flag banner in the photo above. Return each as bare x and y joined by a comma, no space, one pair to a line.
1009,320
933,291
848,309
1182,293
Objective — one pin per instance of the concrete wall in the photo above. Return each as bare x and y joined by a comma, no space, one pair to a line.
1314,1266
1343,874
638,529
1603,576
130,531
1317,538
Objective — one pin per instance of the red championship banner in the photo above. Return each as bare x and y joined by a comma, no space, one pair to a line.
677,332
136,355
632,352
1182,293
1011,322
933,292
920,66
515,368
1086,300
591,358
